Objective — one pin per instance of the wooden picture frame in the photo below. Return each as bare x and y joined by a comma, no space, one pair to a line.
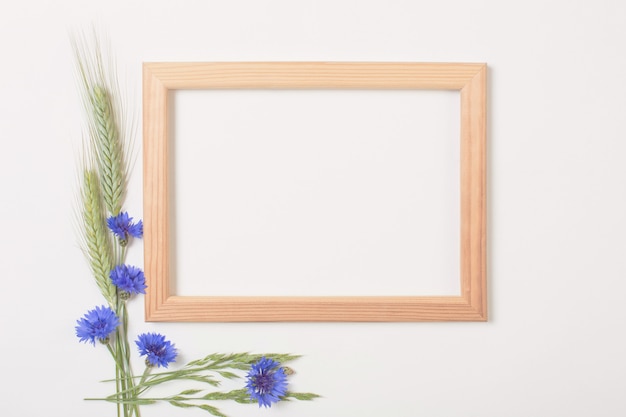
468,78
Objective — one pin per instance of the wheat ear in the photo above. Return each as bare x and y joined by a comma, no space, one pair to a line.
96,237
108,150
104,119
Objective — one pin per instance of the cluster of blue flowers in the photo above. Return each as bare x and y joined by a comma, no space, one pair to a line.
266,380
100,323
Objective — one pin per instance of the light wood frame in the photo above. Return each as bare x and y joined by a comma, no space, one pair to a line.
468,78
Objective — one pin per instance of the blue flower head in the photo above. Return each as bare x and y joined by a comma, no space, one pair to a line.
157,350
129,280
267,382
122,227
97,324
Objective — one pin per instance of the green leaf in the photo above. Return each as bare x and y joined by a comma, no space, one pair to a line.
302,396
190,392
134,401
228,375
213,410
181,405
200,378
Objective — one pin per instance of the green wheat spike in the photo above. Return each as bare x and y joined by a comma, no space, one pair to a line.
96,238
108,150
105,121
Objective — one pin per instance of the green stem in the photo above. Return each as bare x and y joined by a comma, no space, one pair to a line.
125,380
128,390
117,378
122,379
118,364
145,374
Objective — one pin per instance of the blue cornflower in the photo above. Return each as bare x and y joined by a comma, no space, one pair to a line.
129,280
122,226
267,382
97,324
158,351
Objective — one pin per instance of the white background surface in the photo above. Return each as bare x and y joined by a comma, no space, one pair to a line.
554,345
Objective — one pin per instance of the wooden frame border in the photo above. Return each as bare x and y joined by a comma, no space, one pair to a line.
470,79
